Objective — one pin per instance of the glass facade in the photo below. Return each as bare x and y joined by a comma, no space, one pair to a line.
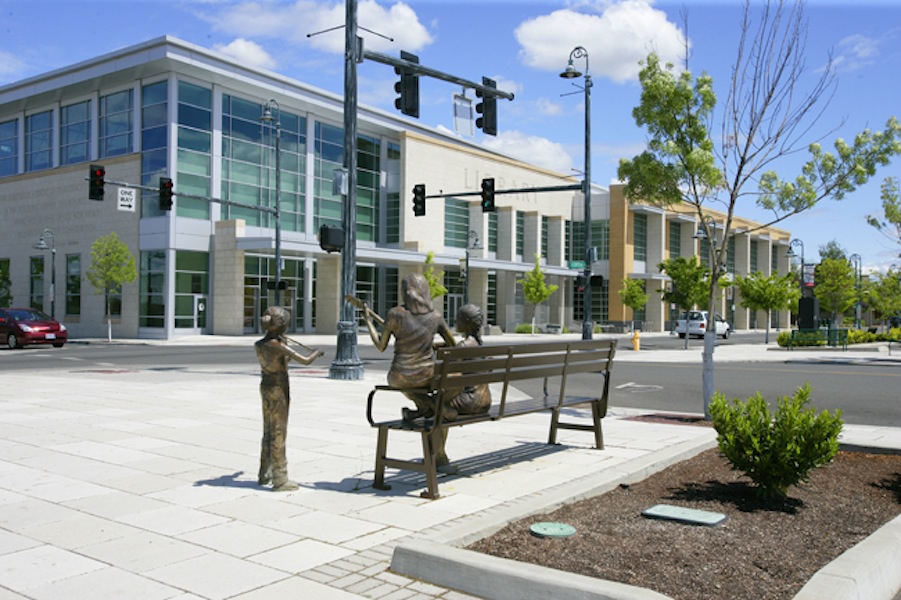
195,141
75,133
753,267
456,223
73,284
39,141
154,143
675,239
153,288
544,232
36,282
116,124
520,232
9,148
192,285
640,239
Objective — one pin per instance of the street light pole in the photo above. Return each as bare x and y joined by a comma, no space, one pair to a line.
790,254
856,263
572,73
42,245
347,364
268,118
472,243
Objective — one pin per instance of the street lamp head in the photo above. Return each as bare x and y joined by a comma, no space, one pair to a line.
700,234
267,115
570,72
41,245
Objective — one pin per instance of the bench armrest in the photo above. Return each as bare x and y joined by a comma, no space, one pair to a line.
387,388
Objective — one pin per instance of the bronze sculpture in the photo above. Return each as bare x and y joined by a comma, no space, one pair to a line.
414,325
274,353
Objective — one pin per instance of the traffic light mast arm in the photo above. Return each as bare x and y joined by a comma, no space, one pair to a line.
418,69
154,188
498,192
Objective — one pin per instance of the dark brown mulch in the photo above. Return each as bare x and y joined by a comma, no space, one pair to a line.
762,551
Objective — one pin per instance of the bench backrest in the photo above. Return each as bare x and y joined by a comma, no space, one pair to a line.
460,367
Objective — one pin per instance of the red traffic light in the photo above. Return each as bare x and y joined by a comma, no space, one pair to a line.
96,175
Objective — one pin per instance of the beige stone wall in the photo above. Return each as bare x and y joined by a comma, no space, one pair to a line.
57,199
228,279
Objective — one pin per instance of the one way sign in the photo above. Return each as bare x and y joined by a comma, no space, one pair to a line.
127,199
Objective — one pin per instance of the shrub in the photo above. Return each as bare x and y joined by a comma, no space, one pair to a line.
523,328
775,451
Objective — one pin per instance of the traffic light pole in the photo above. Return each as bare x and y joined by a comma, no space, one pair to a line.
552,188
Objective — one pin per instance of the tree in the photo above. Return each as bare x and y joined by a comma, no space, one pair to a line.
436,288
690,283
768,293
633,295
833,250
6,297
890,223
835,286
884,295
765,120
112,264
535,288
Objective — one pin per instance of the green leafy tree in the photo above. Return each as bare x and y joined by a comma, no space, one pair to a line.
768,293
884,294
833,250
690,283
890,222
112,265
835,286
436,287
6,297
633,295
765,119
535,288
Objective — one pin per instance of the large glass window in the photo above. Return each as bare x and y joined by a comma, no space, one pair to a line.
456,223
329,153
248,163
36,287
5,296
154,143
730,256
116,123
39,141
153,297
195,121
73,284
9,148
640,236
192,279
520,232
544,233
753,268
492,232
75,133
600,239
392,233
675,239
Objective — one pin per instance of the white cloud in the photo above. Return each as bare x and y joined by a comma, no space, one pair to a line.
856,52
533,149
294,22
547,108
10,66
616,39
248,53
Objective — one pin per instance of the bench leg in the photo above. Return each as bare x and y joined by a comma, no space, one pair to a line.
430,445
598,431
381,450
555,420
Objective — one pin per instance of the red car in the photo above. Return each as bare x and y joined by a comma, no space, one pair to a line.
24,326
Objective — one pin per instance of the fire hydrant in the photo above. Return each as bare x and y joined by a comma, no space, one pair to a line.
636,340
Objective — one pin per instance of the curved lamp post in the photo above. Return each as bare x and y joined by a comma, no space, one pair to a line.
42,245
572,73
791,253
855,261
269,117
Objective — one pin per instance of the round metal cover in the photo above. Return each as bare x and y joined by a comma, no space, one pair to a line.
555,530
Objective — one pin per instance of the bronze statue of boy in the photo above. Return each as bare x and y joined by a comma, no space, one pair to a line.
274,354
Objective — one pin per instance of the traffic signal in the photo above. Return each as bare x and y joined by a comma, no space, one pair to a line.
419,199
407,87
487,108
95,182
166,193
488,195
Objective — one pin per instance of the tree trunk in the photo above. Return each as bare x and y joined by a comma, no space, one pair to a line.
766,336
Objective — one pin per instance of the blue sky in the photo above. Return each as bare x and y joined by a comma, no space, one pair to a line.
524,45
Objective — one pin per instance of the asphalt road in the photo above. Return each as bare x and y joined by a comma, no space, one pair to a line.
867,392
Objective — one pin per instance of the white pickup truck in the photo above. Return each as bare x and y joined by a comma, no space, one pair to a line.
695,323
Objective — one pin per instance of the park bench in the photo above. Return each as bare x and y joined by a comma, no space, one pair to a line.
818,337
505,365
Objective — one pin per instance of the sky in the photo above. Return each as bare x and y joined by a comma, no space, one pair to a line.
524,45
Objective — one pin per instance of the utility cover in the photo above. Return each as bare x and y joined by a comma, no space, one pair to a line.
555,530
691,516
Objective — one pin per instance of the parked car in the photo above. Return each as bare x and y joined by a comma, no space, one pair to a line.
694,323
25,326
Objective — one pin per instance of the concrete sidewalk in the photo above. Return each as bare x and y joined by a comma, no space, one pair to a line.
141,484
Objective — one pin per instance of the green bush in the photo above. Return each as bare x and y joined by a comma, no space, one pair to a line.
524,328
775,451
